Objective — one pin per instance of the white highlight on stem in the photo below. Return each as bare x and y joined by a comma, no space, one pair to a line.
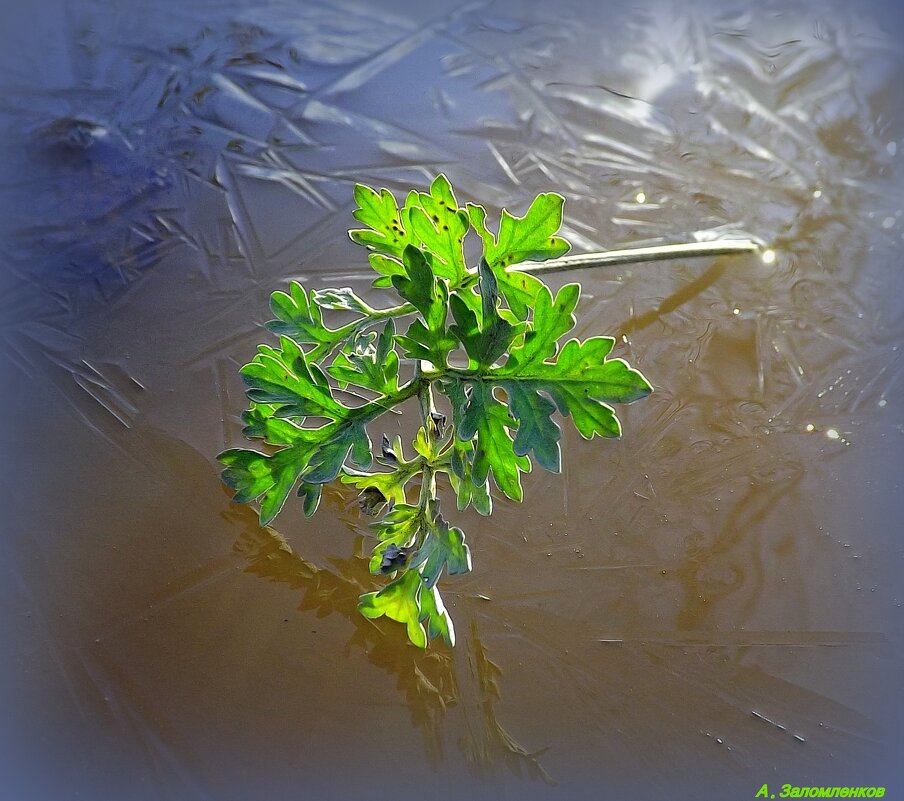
609,258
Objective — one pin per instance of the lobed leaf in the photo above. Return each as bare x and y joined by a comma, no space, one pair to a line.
478,414
299,317
400,601
372,363
528,238
443,548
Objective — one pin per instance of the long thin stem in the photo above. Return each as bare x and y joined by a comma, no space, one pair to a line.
613,258
582,261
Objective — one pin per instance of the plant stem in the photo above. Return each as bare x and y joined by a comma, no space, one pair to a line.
613,258
582,261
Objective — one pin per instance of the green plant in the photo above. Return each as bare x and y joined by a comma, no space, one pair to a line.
485,339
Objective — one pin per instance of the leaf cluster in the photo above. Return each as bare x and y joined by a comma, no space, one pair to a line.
488,339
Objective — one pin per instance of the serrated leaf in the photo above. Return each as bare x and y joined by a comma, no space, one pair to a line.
485,338
582,382
537,431
528,238
386,232
398,529
374,364
386,267
400,601
310,495
286,380
440,227
432,346
345,440
551,320
390,485
421,289
467,493
443,548
298,317
260,423
256,475
480,414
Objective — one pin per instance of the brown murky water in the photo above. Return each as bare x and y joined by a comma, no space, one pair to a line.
710,604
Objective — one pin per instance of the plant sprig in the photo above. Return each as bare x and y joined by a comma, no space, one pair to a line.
486,338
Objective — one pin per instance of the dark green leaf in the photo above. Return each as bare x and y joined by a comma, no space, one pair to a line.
311,495
432,346
443,548
346,440
255,475
486,338
421,289
468,493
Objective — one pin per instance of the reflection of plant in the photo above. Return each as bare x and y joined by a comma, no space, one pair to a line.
429,680
485,338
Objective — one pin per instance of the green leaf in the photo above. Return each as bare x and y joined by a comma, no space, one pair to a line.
399,529
255,475
386,232
537,431
400,601
486,338
372,363
390,485
260,423
467,493
478,413
552,319
432,346
310,493
420,288
386,267
299,317
528,238
284,378
440,228
434,614
346,440
443,548
582,382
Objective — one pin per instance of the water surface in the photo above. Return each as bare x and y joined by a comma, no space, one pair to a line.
711,603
